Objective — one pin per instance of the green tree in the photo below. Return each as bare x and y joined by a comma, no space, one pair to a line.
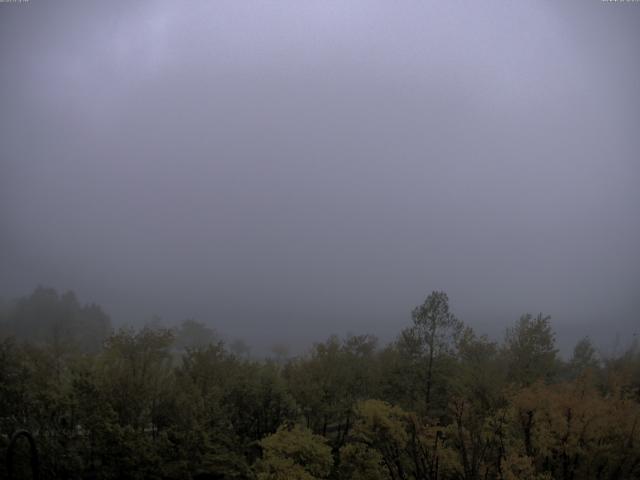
294,452
583,360
433,337
330,380
481,373
530,350
135,369
399,442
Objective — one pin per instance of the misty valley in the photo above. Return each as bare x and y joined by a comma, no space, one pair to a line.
319,240
441,401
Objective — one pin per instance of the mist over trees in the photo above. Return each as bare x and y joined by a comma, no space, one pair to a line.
439,402
240,184
46,317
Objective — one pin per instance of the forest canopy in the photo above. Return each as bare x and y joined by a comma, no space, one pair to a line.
439,402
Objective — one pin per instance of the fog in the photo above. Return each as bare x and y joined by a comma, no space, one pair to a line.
287,170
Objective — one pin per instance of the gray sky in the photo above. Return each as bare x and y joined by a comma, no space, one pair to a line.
285,170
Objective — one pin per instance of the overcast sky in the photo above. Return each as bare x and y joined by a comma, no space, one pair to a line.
284,170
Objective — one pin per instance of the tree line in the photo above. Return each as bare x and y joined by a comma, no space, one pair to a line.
438,402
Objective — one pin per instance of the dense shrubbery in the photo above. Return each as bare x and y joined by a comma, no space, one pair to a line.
438,403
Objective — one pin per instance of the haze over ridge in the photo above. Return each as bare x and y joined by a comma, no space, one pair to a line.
288,171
